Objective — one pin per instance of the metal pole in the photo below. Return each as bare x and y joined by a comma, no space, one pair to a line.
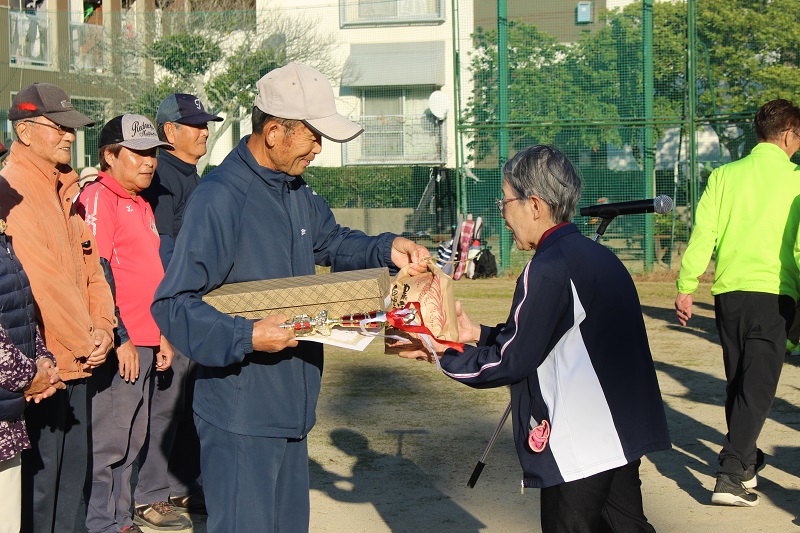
502,106
461,200
649,133
692,107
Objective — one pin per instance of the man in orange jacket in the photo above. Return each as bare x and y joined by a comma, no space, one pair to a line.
74,306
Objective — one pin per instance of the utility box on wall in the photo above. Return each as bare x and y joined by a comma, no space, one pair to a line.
583,13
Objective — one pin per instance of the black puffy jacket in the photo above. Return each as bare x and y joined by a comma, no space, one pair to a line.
18,318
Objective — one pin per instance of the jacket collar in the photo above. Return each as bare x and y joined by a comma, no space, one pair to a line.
556,235
113,185
165,157
273,178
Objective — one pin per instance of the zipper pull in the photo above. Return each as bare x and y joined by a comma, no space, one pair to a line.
522,486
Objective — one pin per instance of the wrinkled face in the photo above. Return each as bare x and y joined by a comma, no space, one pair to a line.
189,140
293,152
519,218
133,169
47,140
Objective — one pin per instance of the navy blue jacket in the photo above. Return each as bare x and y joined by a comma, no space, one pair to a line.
245,222
168,194
18,318
574,350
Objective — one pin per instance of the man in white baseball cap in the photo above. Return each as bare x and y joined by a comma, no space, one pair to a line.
298,92
253,217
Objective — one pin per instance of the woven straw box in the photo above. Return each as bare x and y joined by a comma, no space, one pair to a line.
340,293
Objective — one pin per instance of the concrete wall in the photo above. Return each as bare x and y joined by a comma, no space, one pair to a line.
374,221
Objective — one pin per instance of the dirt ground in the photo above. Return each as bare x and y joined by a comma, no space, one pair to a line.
396,441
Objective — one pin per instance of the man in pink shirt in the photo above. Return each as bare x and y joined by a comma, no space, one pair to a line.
127,239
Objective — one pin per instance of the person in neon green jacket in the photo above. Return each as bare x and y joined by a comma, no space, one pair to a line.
749,213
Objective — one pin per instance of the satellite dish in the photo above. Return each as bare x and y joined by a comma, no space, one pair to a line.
438,104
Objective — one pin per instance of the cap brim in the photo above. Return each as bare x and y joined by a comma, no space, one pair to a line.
145,144
200,118
335,127
70,119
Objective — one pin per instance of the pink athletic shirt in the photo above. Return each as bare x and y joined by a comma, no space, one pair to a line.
126,235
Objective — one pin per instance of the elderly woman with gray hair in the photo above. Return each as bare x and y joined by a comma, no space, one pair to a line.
585,399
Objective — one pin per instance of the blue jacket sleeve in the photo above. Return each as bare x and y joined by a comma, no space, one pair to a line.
343,248
512,352
202,259
165,249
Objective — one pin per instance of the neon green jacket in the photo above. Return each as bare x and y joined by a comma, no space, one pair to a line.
749,211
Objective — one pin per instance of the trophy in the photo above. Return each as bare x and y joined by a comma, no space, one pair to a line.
305,325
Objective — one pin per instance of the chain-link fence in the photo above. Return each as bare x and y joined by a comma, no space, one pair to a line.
623,99
612,83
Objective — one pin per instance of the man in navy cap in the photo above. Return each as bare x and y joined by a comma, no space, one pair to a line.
169,468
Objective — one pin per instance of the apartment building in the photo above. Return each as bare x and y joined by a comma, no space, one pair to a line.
69,43
396,64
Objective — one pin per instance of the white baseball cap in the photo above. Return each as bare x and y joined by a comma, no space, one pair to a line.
299,92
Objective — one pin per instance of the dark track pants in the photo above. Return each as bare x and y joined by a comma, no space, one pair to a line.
253,483
752,329
54,469
610,501
119,428
169,464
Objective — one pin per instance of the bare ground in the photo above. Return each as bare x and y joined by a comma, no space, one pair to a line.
396,440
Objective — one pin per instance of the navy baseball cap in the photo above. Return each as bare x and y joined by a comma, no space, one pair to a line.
184,109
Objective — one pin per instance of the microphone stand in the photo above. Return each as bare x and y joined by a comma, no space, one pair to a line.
476,472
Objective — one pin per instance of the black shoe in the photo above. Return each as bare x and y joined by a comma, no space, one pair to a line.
192,503
749,478
730,491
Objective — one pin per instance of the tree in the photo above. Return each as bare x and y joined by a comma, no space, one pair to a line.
577,92
216,55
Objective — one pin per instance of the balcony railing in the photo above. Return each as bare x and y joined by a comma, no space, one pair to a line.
29,38
390,12
87,47
397,140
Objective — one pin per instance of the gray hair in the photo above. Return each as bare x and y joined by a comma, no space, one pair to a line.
162,135
544,171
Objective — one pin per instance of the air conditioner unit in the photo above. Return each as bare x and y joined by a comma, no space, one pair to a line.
583,13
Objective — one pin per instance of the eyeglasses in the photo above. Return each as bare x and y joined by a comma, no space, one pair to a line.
62,130
501,204
790,129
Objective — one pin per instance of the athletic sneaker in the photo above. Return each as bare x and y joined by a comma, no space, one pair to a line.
792,348
749,478
729,491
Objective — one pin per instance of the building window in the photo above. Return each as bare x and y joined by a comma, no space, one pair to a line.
398,128
29,33
87,46
389,12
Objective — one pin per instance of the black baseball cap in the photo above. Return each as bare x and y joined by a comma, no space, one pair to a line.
131,131
45,99
184,109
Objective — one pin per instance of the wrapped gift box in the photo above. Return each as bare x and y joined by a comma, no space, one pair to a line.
340,293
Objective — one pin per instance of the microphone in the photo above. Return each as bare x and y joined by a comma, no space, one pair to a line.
660,204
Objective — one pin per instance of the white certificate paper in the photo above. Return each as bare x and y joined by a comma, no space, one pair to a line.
352,339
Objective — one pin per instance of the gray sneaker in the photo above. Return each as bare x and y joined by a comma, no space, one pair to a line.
730,491
160,516
749,478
